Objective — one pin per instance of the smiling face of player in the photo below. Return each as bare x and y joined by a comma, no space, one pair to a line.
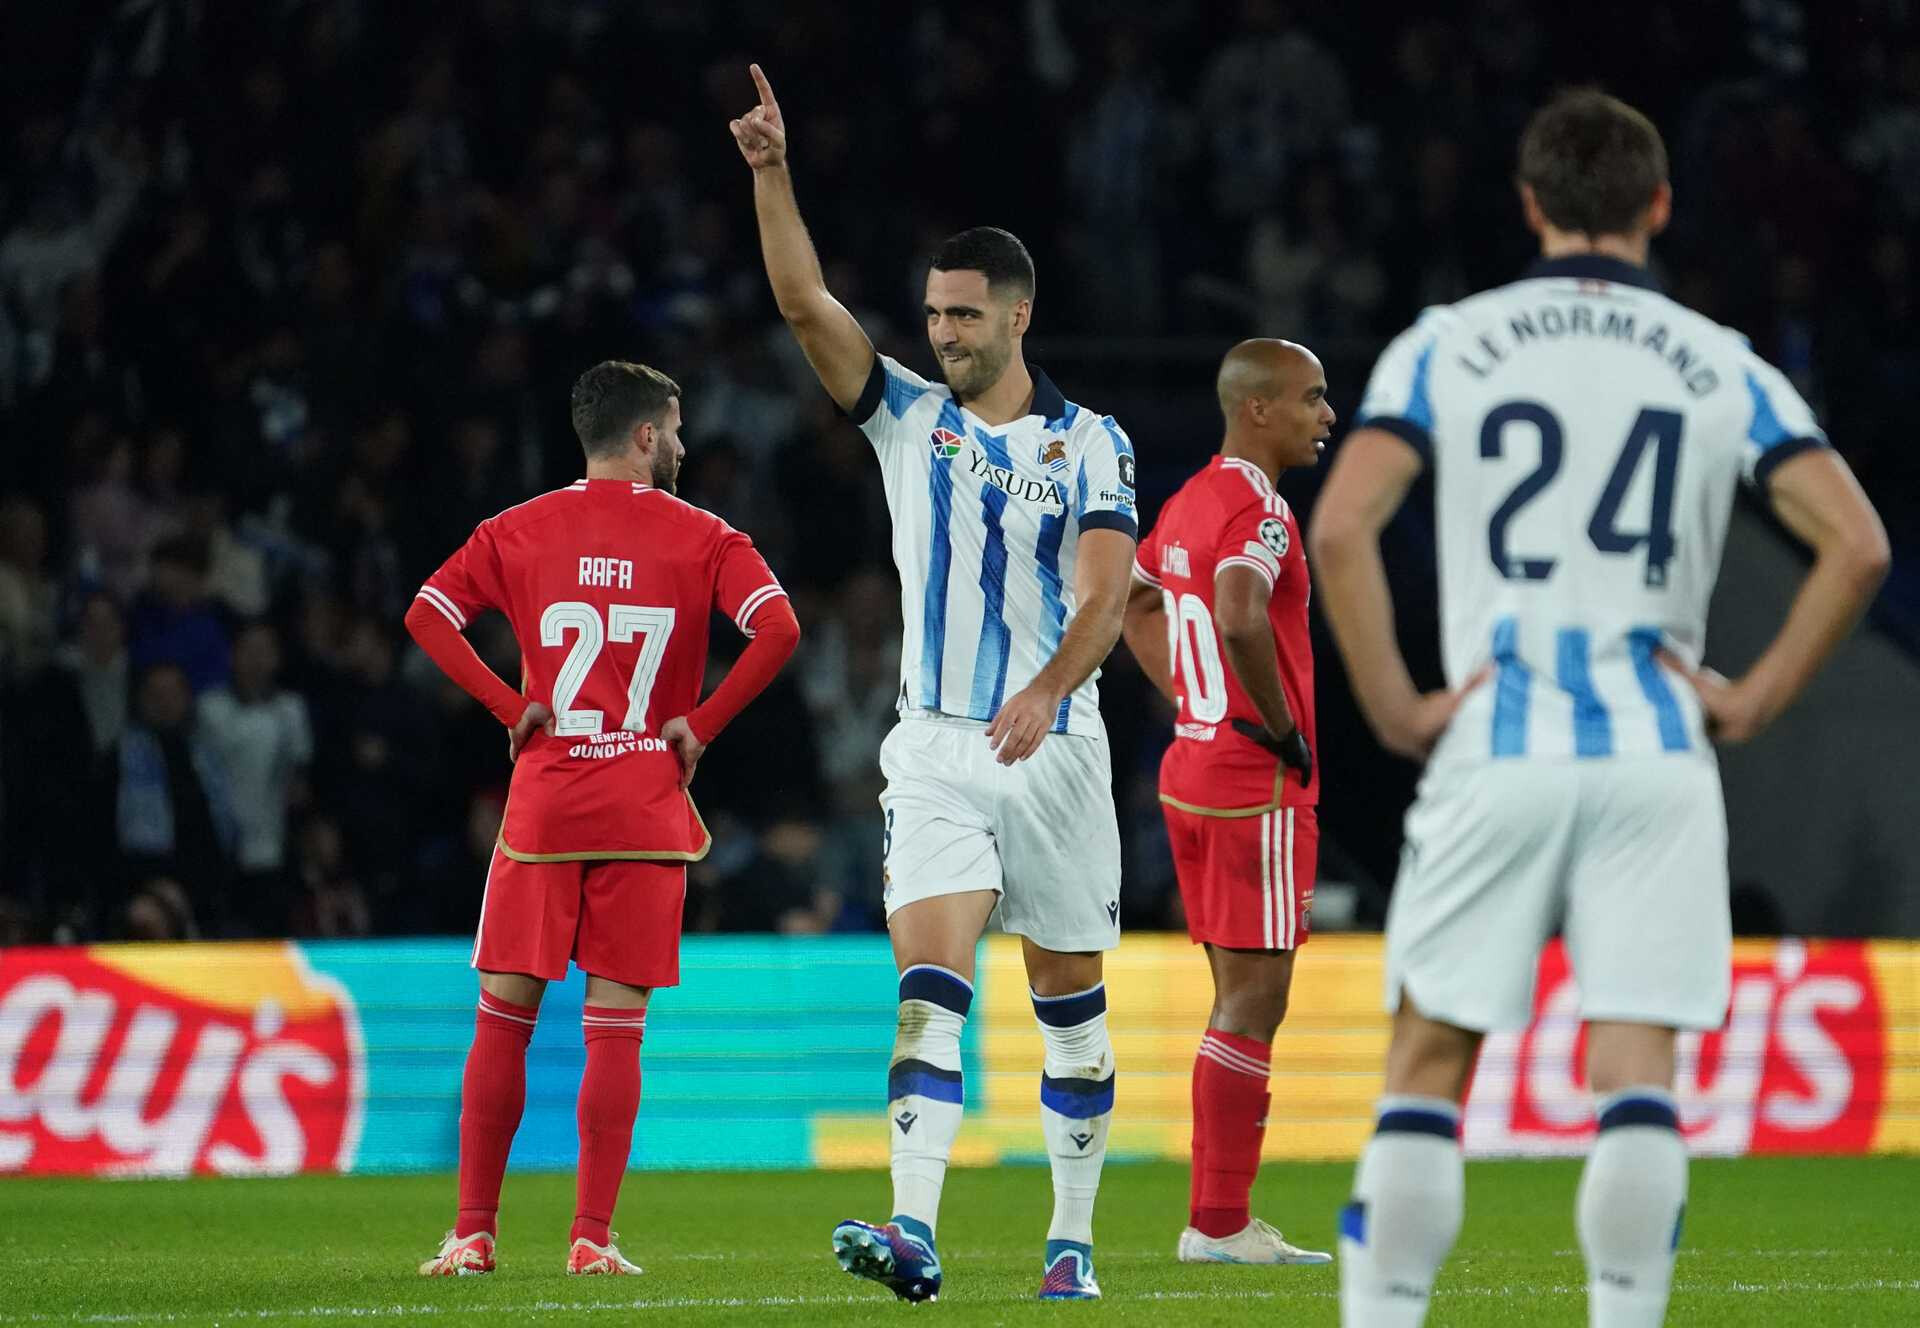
974,332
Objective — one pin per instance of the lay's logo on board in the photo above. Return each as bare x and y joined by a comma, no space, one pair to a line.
235,1059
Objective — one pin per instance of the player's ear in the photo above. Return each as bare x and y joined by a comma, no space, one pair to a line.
1022,316
1530,208
1660,209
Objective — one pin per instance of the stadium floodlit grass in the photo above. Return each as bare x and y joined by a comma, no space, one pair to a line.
1769,1240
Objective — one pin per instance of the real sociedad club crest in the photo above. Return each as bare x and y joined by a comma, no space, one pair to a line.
1053,454
946,443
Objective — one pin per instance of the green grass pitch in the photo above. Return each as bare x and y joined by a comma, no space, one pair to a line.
1817,1241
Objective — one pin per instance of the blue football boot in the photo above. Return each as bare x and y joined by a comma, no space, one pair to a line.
1069,1272
899,1255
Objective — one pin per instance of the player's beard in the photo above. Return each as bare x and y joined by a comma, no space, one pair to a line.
666,473
981,369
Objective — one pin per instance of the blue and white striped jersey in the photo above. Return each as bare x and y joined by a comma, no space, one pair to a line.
1585,434
985,529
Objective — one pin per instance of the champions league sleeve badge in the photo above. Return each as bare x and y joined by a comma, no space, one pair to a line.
1273,534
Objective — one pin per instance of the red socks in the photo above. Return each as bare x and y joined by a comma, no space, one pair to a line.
1202,1123
494,1093
609,1100
492,1096
1229,1124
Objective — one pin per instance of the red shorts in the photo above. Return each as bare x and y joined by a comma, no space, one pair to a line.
618,920
1247,881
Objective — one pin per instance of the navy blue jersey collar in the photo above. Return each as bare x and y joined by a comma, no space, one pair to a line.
1595,267
1048,404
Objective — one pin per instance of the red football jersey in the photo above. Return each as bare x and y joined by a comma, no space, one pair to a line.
609,586
1229,516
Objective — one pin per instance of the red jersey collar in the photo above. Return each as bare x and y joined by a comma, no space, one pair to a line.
1245,467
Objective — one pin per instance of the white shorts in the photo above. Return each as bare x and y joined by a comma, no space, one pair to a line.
1626,858
1041,832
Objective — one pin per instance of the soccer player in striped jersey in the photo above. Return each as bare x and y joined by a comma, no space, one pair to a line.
1013,529
1586,435
1218,621
609,585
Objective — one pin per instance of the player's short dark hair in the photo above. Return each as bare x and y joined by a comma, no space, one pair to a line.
1592,161
995,253
612,398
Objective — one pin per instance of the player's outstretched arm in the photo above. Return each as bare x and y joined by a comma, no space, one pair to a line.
834,343
1100,576
1369,481
1144,626
1817,497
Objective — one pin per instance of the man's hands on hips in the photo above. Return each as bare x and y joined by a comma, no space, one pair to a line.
532,720
1730,708
1023,723
1291,746
1412,727
680,736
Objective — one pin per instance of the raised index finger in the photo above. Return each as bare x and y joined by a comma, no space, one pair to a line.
766,88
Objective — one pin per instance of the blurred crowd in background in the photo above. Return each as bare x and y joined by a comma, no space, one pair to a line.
292,292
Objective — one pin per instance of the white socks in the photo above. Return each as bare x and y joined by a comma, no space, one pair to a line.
1632,1195
1076,1104
924,1090
1408,1195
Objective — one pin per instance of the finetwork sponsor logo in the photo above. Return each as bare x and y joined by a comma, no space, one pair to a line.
1126,470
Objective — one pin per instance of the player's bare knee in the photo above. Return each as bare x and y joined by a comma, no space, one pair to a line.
1061,973
1251,988
952,955
521,989
942,930
1274,1012
616,995
1253,1013
1622,1055
1428,1058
